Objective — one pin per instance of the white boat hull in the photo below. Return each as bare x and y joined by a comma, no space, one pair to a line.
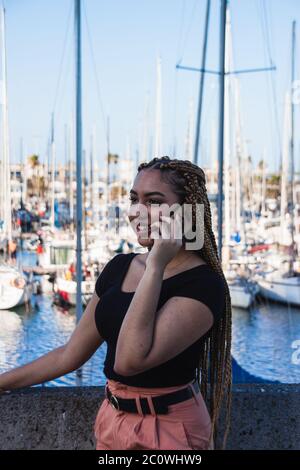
285,290
46,285
240,297
10,295
67,290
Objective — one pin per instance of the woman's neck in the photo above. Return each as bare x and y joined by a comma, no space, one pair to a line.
182,257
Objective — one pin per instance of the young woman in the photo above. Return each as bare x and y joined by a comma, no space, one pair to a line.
166,318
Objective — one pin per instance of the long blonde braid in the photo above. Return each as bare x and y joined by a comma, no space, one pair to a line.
188,182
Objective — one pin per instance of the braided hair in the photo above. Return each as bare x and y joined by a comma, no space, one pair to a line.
188,183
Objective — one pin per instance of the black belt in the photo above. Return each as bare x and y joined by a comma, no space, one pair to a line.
160,402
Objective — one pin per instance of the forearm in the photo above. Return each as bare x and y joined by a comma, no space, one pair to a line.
47,367
136,333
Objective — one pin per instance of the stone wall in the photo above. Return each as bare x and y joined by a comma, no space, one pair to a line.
264,416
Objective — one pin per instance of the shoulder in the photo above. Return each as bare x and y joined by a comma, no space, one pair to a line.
203,274
108,271
206,277
207,286
209,273
116,260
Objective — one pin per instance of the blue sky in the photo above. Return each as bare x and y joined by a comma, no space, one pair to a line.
127,36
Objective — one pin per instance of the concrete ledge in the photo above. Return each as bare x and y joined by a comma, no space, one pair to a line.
264,416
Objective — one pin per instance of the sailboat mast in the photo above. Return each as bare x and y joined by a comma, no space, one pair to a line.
285,164
6,162
158,110
201,84
92,179
221,124
77,4
71,166
22,171
292,144
240,220
52,174
145,148
227,140
107,202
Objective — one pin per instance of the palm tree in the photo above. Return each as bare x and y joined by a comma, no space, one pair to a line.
36,183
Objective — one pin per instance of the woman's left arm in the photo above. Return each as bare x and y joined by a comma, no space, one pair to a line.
136,333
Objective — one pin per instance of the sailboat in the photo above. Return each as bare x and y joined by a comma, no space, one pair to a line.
14,288
282,283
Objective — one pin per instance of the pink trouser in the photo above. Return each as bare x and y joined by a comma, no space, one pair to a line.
186,426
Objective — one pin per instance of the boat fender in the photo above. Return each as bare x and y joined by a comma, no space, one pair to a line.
18,282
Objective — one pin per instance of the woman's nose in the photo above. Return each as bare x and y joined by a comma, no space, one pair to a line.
139,211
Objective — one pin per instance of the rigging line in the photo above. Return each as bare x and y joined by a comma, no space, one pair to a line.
95,70
180,32
271,126
267,32
175,114
188,30
212,95
269,81
48,143
272,79
60,103
63,55
59,75
235,81
66,75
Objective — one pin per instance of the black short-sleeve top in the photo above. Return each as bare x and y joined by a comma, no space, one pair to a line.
200,282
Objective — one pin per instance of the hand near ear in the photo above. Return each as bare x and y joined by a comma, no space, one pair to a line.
167,241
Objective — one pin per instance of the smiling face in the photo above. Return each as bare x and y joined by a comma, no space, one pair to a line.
147,192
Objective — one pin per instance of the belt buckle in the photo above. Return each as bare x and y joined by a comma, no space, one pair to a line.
114,402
